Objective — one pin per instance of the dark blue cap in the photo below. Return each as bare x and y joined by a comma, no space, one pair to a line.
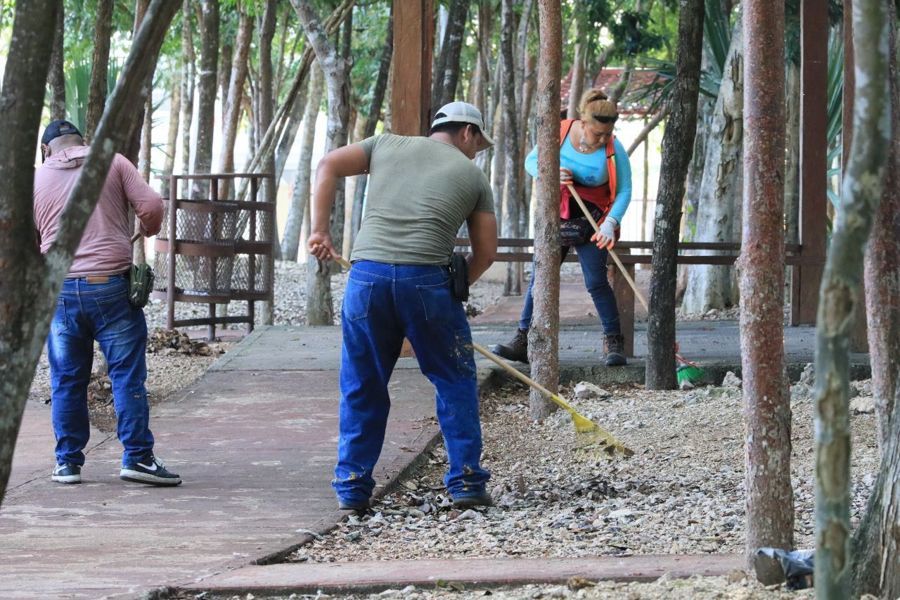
58,128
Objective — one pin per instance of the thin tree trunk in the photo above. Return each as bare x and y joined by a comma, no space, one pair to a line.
645,183
576,84
709,286
300,196
264,121
187,91
319,308
680,132
876,544
446,75
792,168
99,66
171,136
512,189
57,77
206,84
234,100
26,309
649,126
290,134
767,405
543,336
131,149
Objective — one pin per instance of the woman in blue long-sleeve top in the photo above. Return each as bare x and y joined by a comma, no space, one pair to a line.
597,165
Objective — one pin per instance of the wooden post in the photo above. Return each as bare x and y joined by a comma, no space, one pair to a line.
624,300
413,49
806,278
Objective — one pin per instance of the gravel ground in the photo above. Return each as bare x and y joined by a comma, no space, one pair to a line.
682,491
734,587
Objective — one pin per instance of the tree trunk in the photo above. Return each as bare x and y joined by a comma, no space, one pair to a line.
543,337
680,132
792,167
290,133
767,405
576,84
234,100
206,84
131,149
99,66
300,195
264,121
319,308
876,543
378,95
710,286
512,202
694,180
171,136
187,91
446,75
26,309
57,77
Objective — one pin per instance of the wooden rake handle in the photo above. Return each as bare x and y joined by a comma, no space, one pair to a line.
522,377
612,253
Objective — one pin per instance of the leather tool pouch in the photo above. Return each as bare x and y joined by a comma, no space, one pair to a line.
459,277
140,284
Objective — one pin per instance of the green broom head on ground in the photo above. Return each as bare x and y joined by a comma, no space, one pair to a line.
688,374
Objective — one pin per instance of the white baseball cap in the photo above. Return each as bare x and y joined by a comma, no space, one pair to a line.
463,112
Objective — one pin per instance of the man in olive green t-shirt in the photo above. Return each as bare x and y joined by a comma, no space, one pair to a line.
421,190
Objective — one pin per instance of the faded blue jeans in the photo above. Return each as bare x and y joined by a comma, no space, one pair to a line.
98,311
383,303
593,266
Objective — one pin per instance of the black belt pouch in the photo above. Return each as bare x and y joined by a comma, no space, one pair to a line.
459,277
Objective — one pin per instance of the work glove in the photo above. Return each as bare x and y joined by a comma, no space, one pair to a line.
606,237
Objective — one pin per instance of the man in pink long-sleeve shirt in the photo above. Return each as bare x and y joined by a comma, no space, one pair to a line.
93,305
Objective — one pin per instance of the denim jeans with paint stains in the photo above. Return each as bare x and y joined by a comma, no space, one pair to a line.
98,311
593,265
383,303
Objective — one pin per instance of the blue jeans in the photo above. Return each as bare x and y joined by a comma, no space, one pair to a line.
593,266
383,303
98,311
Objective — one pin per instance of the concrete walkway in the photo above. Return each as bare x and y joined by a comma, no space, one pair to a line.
254,441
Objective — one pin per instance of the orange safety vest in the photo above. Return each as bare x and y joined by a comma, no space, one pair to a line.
602,196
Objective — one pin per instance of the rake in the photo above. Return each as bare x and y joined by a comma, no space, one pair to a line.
687,372
587,432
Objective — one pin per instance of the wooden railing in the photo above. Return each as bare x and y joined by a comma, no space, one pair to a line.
634,253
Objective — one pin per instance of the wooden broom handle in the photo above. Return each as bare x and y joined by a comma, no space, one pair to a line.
612,253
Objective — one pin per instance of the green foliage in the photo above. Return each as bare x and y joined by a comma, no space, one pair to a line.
78,81
370,23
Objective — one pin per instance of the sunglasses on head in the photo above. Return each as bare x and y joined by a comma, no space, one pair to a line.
605,118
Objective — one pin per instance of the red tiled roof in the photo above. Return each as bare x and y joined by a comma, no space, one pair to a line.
607,80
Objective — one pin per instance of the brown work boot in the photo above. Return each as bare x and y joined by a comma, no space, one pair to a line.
615,350
516,349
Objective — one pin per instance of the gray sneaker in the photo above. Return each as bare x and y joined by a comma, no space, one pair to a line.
66,473
149,470
516,349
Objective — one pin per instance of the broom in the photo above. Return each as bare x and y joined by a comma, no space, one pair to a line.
687,372
587,432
